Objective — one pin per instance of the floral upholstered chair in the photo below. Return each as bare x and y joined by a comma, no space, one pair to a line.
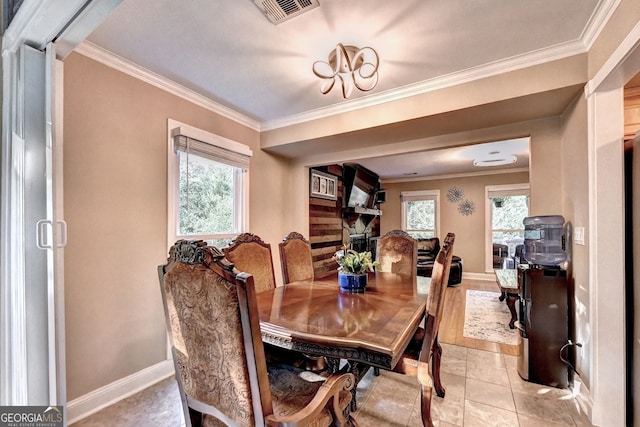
424,353
222,374
251,255
295,258
397,252
297,264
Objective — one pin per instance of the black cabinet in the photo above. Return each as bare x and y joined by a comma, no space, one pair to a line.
544,321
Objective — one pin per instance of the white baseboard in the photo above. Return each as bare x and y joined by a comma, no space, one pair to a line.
479,276
96,400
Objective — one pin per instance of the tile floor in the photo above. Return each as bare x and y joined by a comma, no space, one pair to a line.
482,389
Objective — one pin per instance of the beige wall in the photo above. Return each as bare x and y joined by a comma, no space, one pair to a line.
115,205
576,211
469,230
545,178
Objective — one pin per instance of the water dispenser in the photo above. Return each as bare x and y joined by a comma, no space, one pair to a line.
543,240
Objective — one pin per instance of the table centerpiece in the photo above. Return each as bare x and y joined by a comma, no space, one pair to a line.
353,268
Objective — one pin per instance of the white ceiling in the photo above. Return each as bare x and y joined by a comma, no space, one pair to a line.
229,52
450,161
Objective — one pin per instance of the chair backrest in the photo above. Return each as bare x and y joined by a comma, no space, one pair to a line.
295,258
500,252
397,252
210,312
439,282
250,254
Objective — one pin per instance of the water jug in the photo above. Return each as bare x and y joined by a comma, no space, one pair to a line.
543,240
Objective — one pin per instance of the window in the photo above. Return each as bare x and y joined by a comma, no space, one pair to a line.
507,207
208,182
420,213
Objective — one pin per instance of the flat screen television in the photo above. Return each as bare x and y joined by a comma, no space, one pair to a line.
360,185
358,197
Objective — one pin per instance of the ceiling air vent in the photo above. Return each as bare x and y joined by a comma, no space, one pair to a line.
282,10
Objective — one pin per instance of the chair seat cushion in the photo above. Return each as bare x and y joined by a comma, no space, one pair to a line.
292,389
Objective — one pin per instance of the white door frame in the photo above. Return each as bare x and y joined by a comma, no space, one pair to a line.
605,117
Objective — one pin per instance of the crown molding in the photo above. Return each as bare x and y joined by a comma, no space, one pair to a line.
598,20
491,69
596,23
451,176
116,62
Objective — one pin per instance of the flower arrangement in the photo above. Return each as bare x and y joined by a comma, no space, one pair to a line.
353,262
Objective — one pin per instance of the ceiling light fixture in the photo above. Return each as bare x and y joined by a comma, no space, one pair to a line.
495,160
354,67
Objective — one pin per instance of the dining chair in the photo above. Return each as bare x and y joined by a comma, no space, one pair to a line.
424,354
250,254
397,252
296,261
295,258
222,373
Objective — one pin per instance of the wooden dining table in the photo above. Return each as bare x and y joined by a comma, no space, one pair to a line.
372,328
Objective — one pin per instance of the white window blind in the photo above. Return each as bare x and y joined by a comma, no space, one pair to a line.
413,196
493,193
211,151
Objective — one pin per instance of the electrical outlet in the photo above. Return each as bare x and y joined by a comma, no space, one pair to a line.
578,235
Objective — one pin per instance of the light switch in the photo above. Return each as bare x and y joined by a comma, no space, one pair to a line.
578,236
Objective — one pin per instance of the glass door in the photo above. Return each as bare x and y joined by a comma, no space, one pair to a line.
33,235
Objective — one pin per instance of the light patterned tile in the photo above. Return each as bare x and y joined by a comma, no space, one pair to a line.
540,390
454,351
578,415
364,388
480,415
368,418
415,419
450,409
390,401
529,421
453,366
454,385
487,358
490,394
510,361
477,370
552,410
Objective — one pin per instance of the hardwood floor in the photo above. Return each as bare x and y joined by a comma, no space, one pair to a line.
452,323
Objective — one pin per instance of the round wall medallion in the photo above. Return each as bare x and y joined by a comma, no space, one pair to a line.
455,194
466,208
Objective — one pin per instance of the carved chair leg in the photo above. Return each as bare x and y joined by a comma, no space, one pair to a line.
376,371
425,406
436,354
